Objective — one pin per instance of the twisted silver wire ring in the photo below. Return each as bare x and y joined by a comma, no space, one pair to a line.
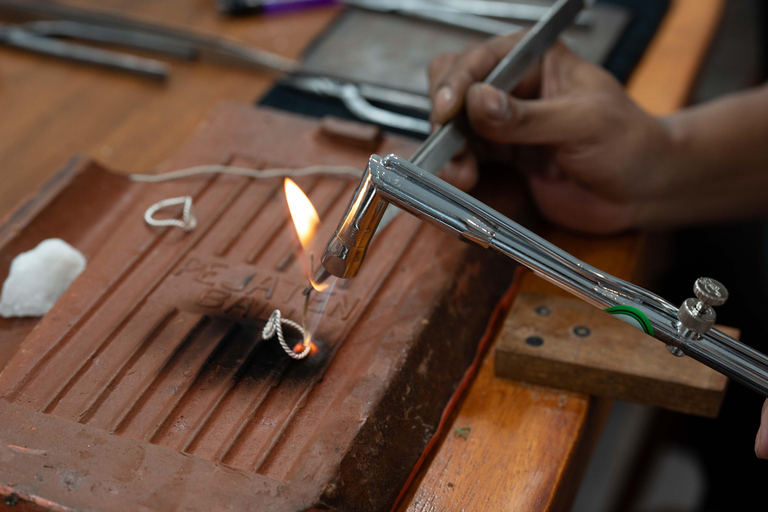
187,222
274,326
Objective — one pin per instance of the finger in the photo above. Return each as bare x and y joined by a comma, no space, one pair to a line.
471,67
498,117
573,206
438,68
761,440
530,86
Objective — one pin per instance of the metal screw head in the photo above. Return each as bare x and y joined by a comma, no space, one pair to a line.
694,319
675,351
710,291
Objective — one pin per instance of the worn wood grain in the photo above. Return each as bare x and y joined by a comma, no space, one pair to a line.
569,344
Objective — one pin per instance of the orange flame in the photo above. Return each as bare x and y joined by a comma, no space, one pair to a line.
304,215
305,220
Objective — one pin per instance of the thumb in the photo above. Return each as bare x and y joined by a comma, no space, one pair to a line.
498,117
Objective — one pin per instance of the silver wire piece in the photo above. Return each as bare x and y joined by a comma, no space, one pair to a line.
187,222
275,325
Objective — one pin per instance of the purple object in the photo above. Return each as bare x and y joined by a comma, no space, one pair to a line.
244,7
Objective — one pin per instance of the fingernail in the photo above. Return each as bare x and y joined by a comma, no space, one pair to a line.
443,99
497,105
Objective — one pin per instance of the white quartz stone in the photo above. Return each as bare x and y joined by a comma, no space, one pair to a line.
38,278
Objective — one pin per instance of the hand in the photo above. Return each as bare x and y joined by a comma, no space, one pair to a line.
592,156
761,440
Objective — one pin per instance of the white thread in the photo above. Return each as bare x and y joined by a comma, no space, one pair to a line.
333,170
188,222
274,326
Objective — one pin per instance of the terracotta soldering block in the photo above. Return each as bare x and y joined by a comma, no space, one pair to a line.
148,385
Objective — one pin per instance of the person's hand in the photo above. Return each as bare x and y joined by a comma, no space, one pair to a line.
593,157
761,439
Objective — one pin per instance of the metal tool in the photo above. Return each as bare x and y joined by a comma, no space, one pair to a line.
440,147
198,44
20,37
390,50
159,45
355,97
413,187
686,330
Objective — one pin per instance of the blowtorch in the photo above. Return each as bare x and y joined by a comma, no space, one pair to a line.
413,187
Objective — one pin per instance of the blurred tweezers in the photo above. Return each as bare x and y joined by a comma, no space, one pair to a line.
355,98
174,42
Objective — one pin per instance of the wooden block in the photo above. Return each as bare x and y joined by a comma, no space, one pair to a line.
569,344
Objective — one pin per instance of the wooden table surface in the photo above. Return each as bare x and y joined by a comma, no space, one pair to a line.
528,445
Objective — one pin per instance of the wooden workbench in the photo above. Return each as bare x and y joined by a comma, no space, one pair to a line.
528,445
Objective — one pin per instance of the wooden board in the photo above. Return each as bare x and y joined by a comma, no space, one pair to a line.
569,344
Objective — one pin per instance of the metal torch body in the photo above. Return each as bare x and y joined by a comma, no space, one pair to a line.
393,180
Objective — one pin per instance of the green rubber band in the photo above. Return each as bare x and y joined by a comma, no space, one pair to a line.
635,314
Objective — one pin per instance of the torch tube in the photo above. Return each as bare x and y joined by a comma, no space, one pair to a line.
393,180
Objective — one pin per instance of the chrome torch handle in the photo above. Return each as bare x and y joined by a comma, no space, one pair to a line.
393,180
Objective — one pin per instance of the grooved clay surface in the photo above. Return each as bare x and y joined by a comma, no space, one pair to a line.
158,343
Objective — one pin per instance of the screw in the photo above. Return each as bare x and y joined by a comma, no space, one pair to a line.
543,311
581,331
710,291
675,351
697,314
534,341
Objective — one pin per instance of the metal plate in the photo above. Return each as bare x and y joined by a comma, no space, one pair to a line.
394,51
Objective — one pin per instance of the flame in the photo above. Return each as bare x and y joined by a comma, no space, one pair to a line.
304,215
319,287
